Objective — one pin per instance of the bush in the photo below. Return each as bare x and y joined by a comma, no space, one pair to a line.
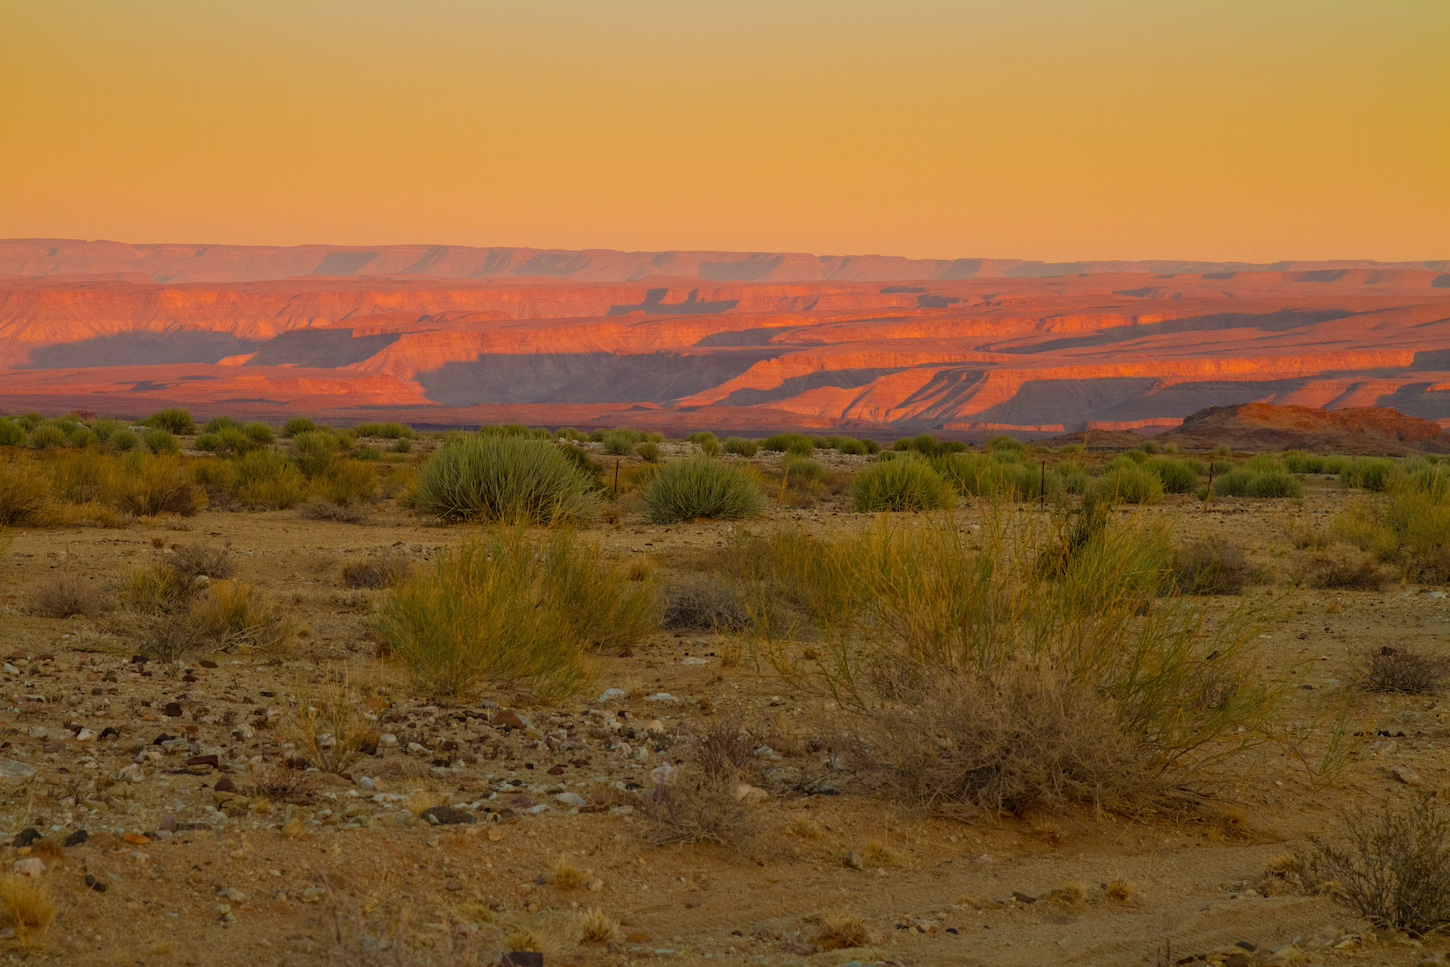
346,483
1395,869
1026,739
618,443
1211,567
160,442
797,443
1127,483
231,613
313,451
1347,572
175,421
908,484
219,423
1177,476
66,595
12,434
158,485
507,479
648,451
395,431
704,605
367,429
23,495
123,440
385,570
323,509
259,433
158,590
193,561
741,447
802,469
296,425
48,436
699,487
1368,473
514,614
1402,670
264,479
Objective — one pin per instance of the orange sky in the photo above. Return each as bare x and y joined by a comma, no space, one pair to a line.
1050,129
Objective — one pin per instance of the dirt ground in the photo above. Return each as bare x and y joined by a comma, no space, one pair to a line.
176,872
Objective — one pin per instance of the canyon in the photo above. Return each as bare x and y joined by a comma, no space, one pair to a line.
456,336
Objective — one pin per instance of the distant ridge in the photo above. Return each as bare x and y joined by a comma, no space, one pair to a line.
178,263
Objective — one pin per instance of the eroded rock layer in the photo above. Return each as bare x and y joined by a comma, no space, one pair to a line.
447,335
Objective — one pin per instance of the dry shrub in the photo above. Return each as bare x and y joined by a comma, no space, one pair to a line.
843,931
697,807
199,560
1211,567
1403,671
1118,890
23,494
513,612
1394,870
1347,572
324,509
276,782
231,613
596,926
328,727
159,485
1027,739
66,595
386,570
725,748
566,876
155,590
703,604
25,903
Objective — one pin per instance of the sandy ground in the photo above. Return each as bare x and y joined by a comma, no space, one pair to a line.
193,876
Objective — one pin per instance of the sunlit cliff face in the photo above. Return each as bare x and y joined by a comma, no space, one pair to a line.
442,335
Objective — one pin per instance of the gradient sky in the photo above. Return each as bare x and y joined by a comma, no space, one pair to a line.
1049,129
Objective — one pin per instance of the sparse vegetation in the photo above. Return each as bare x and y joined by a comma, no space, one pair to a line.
1211,567
1394,870
905,484
67,595
505,478
385,570
1404,671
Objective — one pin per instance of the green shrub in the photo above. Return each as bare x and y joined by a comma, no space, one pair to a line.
265,480
648,451
1368,473
368,429
346,482
159,485
1177,476
802,469
403,445
513,614
29,421
175,421
741,447
928,446
313,450
395,431
907,484
12,434
707,442
259,433
123,440
789,443
1127,483
160,441
48,436
619,442
219,423
1000,445
699,487
508,479
296,425
1247,482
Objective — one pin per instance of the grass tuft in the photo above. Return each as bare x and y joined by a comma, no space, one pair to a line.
699,487
505,478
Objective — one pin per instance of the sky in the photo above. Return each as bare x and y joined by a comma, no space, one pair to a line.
1043,129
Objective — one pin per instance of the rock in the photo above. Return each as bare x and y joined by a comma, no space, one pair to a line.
172,710
610,694
95,884
694,661
30,866
853,861
415,749
387,741
1021,897
137,839
507,718
661,775
76,838
571,799
448,816
225,785
753,795
1406,775
132,773
1284,957
522,958
17,770
206,761
661,697
313,894
1236,960
26,837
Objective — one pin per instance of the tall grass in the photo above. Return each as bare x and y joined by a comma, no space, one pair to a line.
1127,482
700,487
512,613
505,478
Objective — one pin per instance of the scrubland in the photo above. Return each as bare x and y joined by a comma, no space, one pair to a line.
297,695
